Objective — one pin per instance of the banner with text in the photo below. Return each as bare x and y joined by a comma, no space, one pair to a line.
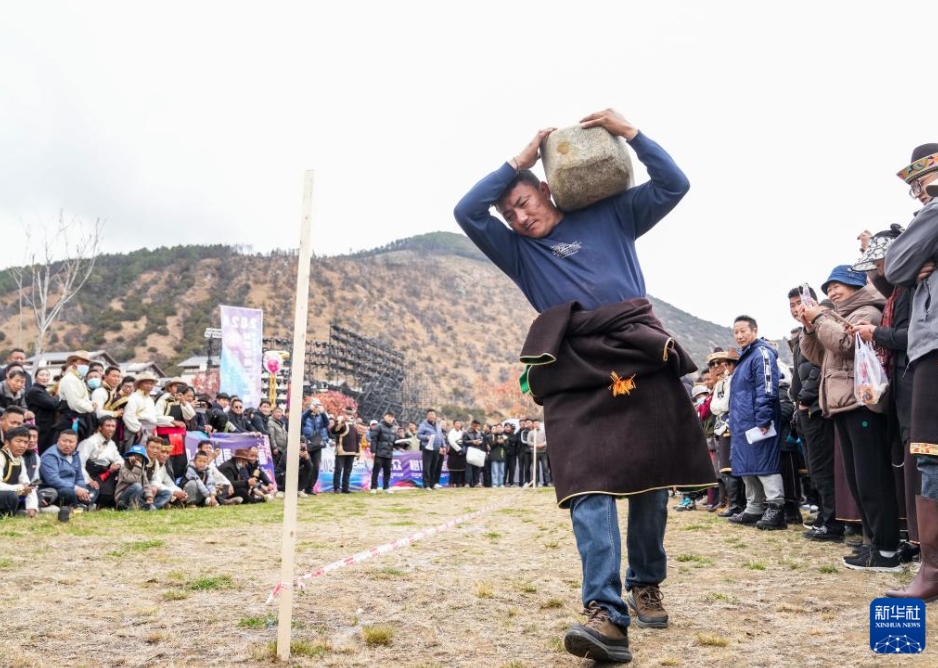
406,471
241,339
228,443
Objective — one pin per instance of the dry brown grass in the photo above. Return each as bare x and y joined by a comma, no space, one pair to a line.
187,588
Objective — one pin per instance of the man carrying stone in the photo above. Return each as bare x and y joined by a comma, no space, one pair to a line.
606,372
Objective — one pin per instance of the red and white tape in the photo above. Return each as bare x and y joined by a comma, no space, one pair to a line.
300,581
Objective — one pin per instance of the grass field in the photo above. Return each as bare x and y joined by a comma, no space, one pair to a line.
188,588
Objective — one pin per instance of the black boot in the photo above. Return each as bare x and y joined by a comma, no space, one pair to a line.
773,519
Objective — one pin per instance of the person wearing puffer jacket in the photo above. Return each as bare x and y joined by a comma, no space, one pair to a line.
827,341
755,419
382,437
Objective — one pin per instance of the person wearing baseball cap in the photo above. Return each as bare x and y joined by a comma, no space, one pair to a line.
910,263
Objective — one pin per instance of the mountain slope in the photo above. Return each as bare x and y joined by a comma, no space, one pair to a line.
459,321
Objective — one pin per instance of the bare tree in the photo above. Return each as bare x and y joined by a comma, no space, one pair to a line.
56,270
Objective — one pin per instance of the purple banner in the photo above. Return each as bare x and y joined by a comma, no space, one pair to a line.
226,444
241,333
406,471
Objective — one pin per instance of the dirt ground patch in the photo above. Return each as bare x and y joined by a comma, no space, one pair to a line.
188,588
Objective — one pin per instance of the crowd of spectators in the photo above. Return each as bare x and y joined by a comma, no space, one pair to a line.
810,438
89,437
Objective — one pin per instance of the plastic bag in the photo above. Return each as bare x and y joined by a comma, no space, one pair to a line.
869,379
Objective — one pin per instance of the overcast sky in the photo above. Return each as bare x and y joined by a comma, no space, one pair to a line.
192,122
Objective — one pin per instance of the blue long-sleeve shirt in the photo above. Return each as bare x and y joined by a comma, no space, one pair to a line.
590,255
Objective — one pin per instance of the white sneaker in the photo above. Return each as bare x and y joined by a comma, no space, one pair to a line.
279,495
49,510
438,486
374,491
389,491
302,494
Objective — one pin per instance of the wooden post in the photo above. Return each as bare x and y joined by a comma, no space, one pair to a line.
297,366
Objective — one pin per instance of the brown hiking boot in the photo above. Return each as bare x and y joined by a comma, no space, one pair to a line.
599,639
646,602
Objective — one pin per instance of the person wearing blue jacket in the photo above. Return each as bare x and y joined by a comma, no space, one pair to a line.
432,442
315,428
755,408
60,469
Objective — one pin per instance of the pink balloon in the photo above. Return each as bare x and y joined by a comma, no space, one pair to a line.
272,362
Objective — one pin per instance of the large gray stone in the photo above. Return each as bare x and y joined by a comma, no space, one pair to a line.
585,166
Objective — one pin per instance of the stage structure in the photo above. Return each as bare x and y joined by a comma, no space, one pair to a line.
371,372
376,370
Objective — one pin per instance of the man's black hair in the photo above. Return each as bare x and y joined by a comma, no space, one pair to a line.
524,176
15,410
747,319
110,369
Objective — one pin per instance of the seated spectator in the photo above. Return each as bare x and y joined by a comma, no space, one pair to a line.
60,469
134,490
15,485
140,415
261,417
156,470
199,487
237,422
238,470
222,402
13,390
101,461
44,406
31,461
224,490
305,472
105,393
264,483
78,411
165,476
197,421
118,404
17,357
11,418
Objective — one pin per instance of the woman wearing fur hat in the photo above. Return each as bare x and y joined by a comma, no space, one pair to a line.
829,342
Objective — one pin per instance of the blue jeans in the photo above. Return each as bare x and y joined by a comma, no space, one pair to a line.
596,527
498,474
928,465
133,496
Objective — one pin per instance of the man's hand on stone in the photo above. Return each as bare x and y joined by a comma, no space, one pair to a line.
530,153
613,121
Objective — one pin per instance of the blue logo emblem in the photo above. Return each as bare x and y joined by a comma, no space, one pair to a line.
897,625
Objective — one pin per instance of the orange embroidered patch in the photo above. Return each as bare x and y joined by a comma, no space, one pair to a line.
621,386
